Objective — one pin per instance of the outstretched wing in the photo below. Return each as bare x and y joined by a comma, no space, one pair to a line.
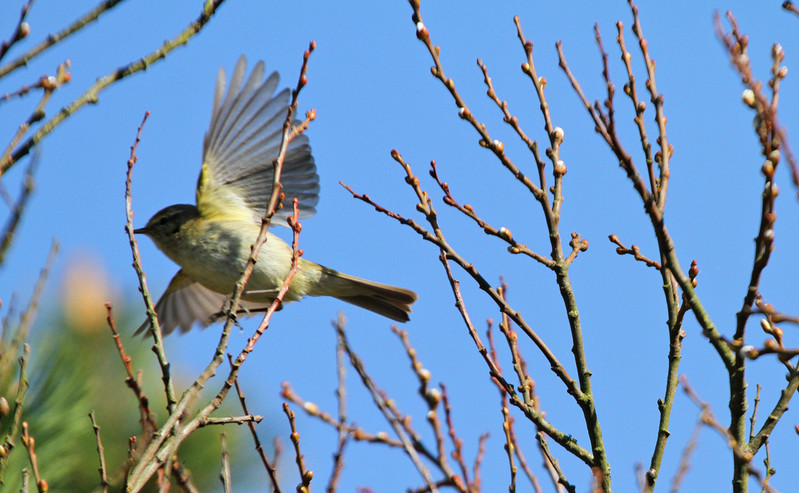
185,302
241,144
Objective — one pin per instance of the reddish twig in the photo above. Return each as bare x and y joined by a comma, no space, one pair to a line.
91,94
28,442
101,453
634,251
147,418
155,328
341,397
707,418
271,469
20,32
305,474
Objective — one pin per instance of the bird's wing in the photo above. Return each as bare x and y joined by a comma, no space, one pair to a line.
241,144
185,302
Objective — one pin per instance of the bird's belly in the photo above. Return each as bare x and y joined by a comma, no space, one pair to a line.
218,265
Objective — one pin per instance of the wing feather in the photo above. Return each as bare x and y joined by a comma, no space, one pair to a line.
186,302
241,144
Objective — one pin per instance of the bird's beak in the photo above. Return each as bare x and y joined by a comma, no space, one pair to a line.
140,231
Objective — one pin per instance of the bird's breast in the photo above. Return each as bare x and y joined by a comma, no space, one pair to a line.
215,253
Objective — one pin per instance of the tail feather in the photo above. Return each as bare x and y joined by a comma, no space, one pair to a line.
389,301
388,308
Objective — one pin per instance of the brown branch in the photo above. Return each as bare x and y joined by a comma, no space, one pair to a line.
9,440
457,443
502,233
225,476
555,135
341,398
28,315
17,208
52,39
478,461
305,474
248,418
527,387
449,254
707,418
663,156
634,251
509,447
486,140
754,414
357,434
431,395
271,469
28,441
92,93
631,90
101,454
235,366
155,328
769,123
20,32
147,418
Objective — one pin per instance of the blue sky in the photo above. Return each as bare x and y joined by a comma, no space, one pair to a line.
370,84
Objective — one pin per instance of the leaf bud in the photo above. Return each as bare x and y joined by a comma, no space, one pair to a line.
748,97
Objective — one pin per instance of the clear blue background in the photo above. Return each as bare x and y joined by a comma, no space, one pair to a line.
369,81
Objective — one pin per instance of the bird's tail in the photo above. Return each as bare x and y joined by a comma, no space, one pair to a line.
390,301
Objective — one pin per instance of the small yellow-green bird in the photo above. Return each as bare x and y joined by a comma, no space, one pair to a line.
211,241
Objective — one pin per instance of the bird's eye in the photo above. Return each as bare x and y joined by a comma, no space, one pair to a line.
163,221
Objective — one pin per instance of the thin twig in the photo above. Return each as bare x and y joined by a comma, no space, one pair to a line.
754,414
20,32
9,440
147,417
155,327
449,254
736,45
707,418
306,475
580,389
18,208
509,447
663,156
100,452
380,402
29,443
457,443
224,476
634,251
91,95
271,470
357,434
502,233
28,315
685,457
341,398
239,420
52,39
478,461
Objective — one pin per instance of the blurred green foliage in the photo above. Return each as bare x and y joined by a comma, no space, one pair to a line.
73,369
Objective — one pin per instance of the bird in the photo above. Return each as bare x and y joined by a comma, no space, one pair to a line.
210,241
